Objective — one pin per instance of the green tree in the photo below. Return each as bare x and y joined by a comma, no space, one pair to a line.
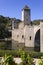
2,31
5,23
8,60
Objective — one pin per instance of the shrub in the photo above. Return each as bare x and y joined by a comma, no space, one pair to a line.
18,53
41,61
26,59
35,54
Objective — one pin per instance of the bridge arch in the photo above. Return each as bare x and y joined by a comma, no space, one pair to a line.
37,41
37,38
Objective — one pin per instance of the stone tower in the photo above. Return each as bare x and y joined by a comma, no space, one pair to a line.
26,15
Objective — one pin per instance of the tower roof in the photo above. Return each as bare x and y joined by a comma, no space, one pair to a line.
26,8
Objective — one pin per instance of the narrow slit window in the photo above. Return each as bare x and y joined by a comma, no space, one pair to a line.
30,37
22,36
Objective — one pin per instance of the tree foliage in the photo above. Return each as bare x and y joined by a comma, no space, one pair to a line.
5,22
41,61
36,22
26,59
8,60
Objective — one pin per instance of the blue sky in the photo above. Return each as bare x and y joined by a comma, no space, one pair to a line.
13,8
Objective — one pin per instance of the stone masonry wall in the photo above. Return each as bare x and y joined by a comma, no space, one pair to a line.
41,36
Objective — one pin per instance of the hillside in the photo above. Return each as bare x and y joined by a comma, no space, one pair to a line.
36,22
